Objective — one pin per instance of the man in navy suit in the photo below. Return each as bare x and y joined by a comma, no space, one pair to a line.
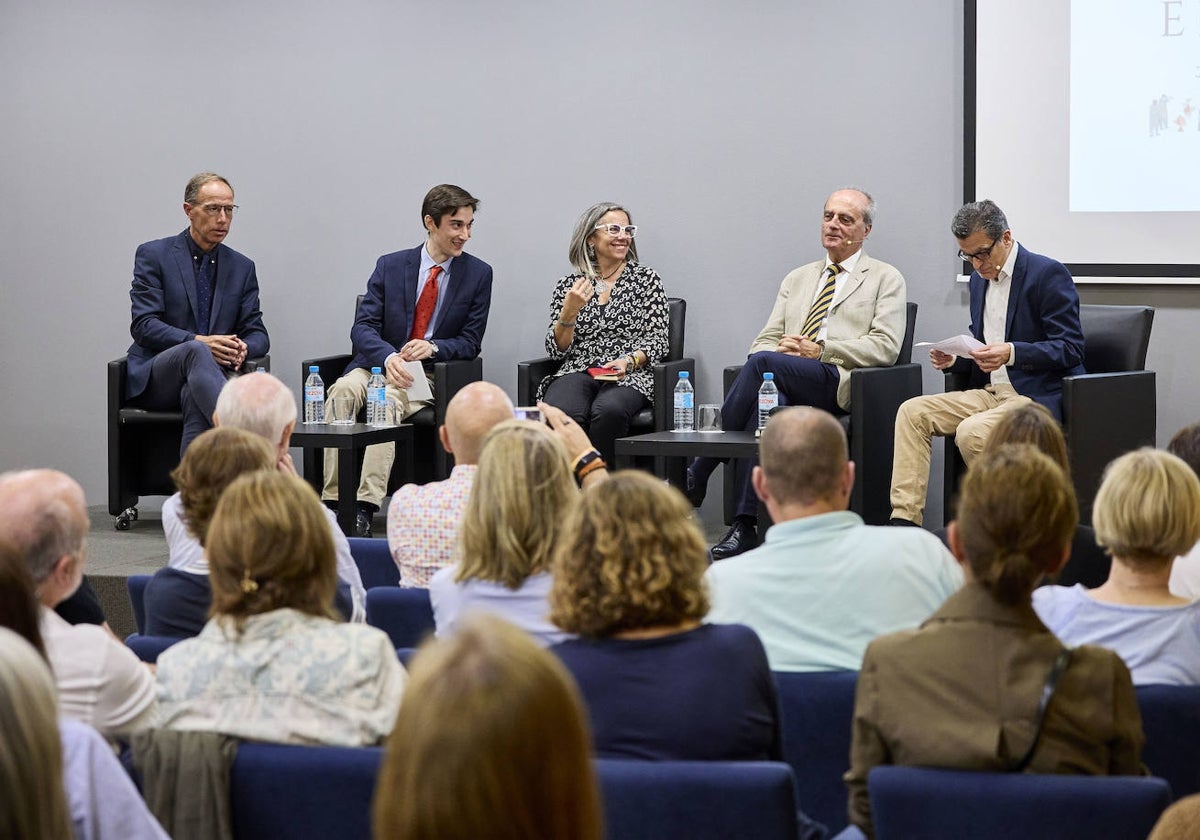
1025,310
426,304
196,316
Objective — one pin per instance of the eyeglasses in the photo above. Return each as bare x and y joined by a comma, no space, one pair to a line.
218,209
978,256
617,230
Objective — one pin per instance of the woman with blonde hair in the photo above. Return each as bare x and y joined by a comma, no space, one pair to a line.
982,684
272,664
659,683
59,777
511,760
1147,512
522,493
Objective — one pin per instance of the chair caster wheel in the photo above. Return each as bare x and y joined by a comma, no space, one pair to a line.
124,518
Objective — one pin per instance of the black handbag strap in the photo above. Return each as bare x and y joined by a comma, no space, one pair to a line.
1056,671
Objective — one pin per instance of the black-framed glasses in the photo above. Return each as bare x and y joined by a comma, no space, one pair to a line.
978,256
617,230
218,209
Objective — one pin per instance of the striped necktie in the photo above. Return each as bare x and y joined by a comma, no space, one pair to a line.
820,307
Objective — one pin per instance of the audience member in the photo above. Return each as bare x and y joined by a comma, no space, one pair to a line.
263,405
824,584
1033,423
179,596
491,741
195,311
628,578
610,312
983,685
423,519
1185,573
100,681
271,664
426,304
1025,311
844,311
521,495
1146,512
60,778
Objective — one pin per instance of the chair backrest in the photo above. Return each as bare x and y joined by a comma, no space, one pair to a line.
910,330
935,804
406,615
649,800
817,710
1115,338
676,325
1171,721
303,792
374,560
136,586
148,648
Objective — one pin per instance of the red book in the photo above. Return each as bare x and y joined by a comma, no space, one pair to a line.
605,374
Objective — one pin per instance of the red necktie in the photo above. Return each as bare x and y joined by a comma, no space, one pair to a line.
426,303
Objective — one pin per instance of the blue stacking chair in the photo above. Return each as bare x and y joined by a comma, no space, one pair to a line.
404,614
933,804
1171,721
374,561
135,585
817,710
650,800
148,648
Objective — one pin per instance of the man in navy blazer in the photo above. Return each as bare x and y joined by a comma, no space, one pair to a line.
426,304
1025,310
196,317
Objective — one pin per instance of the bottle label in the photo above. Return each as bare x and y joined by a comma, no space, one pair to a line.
684,400
767,401
314,393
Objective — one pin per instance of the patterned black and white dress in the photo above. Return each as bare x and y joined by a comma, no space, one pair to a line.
635,318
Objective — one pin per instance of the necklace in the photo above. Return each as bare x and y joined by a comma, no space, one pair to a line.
602,285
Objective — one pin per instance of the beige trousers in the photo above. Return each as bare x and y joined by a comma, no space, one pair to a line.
377,459
968,415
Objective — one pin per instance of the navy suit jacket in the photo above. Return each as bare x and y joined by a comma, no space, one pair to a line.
385,317
1042,324
163,299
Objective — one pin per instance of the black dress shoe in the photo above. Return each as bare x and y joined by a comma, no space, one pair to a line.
695,490
362,524
738,540
903,523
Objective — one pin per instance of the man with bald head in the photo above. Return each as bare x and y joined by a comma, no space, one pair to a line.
100,681
423,519
824,584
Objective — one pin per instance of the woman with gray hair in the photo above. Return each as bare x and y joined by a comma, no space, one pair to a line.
611,312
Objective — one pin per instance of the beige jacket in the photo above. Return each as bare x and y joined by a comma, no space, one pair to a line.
866,322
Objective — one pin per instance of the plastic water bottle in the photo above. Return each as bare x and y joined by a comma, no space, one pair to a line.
314,397
768,399
685,404
376,398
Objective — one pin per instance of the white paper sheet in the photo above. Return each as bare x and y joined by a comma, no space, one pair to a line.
959,345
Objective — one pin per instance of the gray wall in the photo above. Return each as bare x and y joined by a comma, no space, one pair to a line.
723,126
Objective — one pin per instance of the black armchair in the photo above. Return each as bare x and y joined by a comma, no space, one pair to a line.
1108,411
143,446
875,396
657,418
430,461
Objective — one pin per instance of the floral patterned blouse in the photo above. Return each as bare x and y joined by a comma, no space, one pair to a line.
635,318
288,678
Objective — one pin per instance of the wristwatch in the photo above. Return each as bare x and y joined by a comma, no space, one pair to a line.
434,348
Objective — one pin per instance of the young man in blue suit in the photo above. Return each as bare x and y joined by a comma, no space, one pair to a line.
426,304
1025,310
196,317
